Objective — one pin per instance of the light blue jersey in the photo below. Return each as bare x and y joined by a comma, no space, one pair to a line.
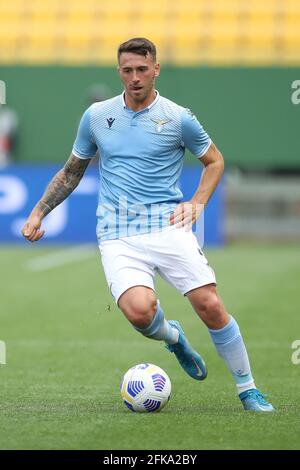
141,158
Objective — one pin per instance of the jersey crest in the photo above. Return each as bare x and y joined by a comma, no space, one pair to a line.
160,123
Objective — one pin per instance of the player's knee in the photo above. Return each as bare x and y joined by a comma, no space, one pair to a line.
212,311
140,312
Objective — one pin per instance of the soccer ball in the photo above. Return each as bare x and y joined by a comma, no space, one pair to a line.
145,388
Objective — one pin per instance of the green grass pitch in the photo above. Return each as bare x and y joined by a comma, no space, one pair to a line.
68,347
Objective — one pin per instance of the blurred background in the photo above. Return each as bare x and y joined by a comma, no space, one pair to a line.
235,63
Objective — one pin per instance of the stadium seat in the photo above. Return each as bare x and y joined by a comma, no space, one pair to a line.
192,32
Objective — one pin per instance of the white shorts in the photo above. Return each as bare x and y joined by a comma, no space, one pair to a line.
173,253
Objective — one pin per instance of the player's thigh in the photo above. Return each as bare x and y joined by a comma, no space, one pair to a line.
125,266
182,263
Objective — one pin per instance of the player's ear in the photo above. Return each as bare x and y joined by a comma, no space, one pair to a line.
157,70
119,72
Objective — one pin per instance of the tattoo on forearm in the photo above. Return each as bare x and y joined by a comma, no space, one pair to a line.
63,184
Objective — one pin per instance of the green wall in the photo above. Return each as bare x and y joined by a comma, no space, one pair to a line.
247,111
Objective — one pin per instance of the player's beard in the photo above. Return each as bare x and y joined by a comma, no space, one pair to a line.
145,92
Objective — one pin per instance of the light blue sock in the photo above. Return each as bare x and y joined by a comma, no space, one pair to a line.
160,329
230,346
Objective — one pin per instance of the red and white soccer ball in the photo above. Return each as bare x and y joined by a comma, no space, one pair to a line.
145,388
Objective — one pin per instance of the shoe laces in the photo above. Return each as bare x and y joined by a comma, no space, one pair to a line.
177,347
260,397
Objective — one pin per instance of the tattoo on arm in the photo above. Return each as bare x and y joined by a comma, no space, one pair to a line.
63,184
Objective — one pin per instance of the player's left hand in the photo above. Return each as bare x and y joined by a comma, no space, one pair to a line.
186,214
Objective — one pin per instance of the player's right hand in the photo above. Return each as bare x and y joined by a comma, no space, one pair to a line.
31,230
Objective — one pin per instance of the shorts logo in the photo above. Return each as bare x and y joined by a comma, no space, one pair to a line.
160,123
110,288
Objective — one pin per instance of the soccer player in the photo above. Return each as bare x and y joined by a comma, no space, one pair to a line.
143,228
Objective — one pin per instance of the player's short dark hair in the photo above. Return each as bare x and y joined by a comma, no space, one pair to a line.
141,46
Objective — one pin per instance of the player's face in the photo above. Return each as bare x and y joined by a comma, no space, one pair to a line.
138,75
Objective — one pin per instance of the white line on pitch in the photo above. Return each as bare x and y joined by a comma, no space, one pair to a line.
61,258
